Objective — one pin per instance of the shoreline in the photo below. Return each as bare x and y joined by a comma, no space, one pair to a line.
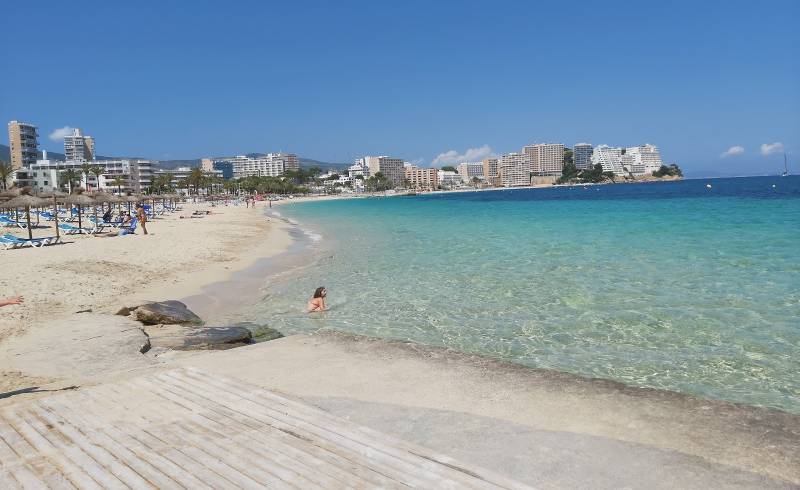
521,364
178,259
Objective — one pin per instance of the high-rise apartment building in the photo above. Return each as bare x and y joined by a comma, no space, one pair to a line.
206,164
609,157
262,166
582,156
644,159
290,161
469,170
491,170
515,169
391,168
78,147
546,158
421,178
24,144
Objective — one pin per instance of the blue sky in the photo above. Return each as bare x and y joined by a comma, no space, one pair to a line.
335,80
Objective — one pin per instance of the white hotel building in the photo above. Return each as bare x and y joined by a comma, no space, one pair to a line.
635,160
269,165
610,157
43,175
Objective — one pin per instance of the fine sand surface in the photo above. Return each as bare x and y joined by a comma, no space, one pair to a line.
174,261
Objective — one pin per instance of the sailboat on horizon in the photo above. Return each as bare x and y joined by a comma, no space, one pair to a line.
785,166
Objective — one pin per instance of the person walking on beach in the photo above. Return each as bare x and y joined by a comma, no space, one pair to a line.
317,303
142,216
14,300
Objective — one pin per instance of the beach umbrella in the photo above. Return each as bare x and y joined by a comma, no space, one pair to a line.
27,202
130,199
102,198
55,194
12,193
81,200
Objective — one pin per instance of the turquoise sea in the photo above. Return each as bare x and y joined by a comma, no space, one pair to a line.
668,285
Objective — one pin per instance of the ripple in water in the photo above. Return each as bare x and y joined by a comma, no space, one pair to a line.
657,285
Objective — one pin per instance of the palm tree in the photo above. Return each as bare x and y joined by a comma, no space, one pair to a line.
118,181
195,178
86,168
68,177
5,171
97,171
168,177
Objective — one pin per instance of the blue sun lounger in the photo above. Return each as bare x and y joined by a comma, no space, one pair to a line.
11,241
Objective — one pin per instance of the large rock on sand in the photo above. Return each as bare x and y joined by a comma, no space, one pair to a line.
261,333
165,312
86,344
185,337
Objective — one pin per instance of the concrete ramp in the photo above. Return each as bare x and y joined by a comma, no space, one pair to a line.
185,428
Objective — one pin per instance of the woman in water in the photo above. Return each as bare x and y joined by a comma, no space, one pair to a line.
317,303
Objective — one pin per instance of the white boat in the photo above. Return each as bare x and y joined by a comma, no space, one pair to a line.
785,166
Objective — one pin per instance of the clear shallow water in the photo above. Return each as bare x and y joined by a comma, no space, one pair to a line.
665,285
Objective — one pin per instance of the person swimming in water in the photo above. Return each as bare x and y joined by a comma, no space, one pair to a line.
317,302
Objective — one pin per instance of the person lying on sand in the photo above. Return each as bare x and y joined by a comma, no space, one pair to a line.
14,300
317,303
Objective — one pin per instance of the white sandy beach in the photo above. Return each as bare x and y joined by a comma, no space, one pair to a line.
175,260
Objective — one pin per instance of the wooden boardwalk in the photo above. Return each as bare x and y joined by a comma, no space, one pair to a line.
188,429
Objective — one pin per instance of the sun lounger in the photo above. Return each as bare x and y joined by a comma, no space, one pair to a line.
9,244
69,229
9,239
129,230
6,222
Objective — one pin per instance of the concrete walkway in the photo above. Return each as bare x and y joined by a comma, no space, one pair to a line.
185,428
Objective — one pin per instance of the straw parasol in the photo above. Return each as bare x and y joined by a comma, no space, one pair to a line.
81,200
131,198
56,195
12,193
25,201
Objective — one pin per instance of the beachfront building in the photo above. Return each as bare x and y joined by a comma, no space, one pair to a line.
515,169
609,157
207,164
359,169
468,171
448,179
491,172
269,165
24,144
290,161
642,160
421,178
45,175
78,147
582,156
391,168
546,158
